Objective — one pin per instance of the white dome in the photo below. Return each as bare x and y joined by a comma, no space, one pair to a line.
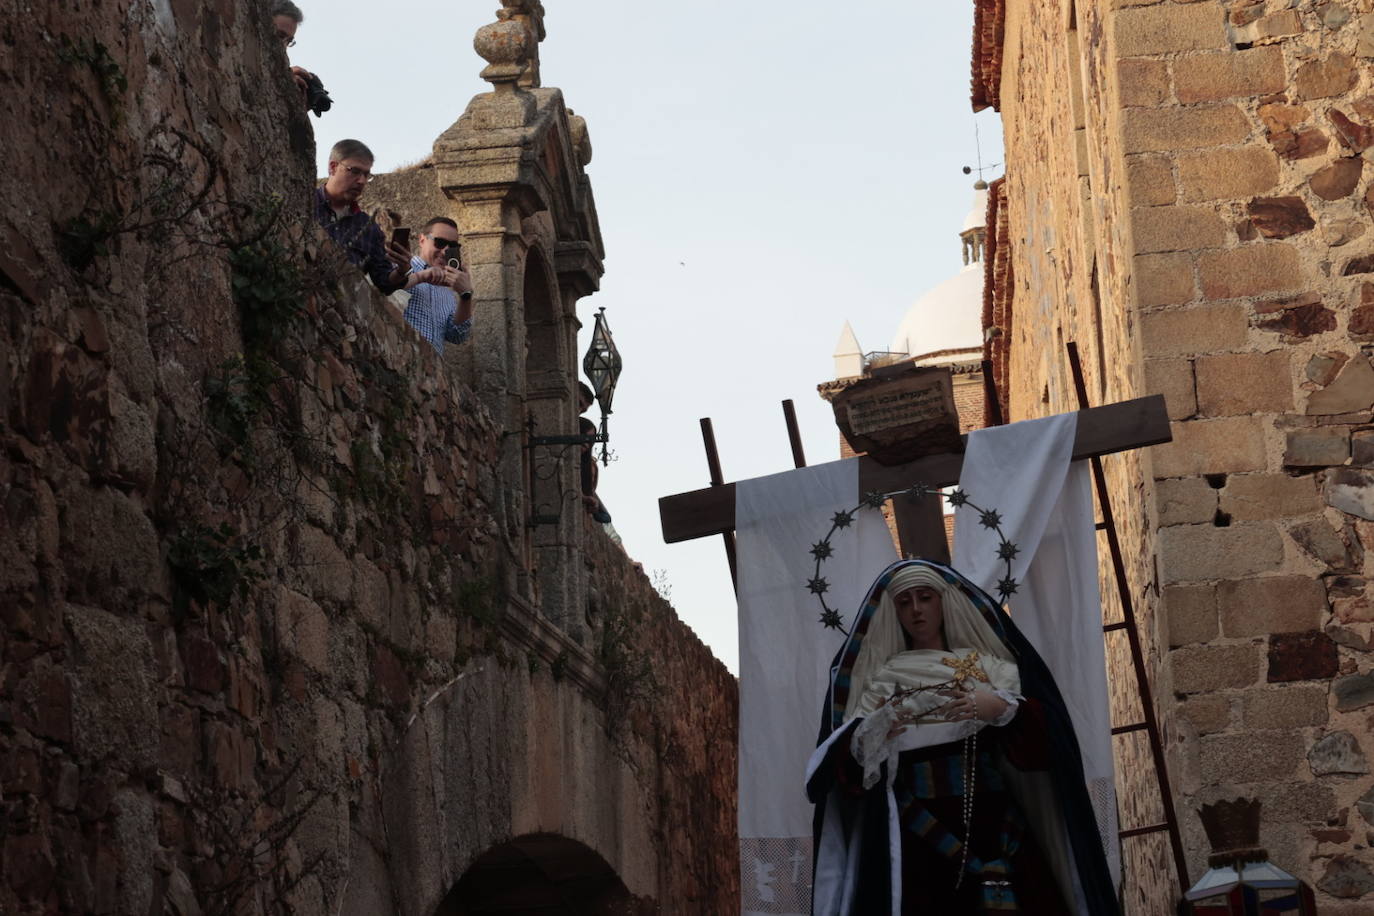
949,317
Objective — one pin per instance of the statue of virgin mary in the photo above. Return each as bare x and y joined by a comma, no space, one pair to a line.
947,778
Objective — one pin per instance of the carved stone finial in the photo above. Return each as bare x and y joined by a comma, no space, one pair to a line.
510,46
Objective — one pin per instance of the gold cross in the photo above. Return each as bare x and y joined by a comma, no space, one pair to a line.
965,668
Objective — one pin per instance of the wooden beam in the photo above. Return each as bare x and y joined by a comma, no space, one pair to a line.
1101,431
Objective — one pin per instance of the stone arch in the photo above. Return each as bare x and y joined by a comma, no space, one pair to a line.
547,356
543,873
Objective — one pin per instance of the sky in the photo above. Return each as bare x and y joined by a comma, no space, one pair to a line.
763,172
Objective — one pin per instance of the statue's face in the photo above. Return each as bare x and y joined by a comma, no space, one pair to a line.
922,616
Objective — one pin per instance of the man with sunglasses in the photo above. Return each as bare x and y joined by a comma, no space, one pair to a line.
440,305
337,210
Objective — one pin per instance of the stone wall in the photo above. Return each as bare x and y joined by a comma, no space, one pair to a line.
271,636
1215,176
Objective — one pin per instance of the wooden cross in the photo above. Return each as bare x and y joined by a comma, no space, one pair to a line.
920,526
1101,431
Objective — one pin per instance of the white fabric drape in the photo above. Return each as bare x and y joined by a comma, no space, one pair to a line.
784,661
1023,472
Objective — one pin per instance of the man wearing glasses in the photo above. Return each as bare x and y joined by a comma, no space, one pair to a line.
286,18
337,210
440,305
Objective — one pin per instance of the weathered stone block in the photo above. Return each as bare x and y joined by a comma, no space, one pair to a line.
1143,83
1148,130
1164,279
1319,541
1268,29
1172,378
303,629
1228,74
1249,757
1251,270
1176,229
1351,134
1185,501
1351,491
1229,445
1337,753
1203,669
1364,264
1296,317
1279,217
115,713
1362,321
1299,144
1162,29
1354,691
1150,180
1362,448
323,568
1338,179
1285,707
1188,331
1272,604
1191,612
1227,173
1366,806
1256,496
1232,384
1323,367
1346,877
1206,713
1278,116
1301,657
1321,447
1333,75
1197,553
1353,390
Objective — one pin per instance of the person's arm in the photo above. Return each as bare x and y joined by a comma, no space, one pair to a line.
386,264
459,327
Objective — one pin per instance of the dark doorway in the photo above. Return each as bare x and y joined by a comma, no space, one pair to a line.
541,874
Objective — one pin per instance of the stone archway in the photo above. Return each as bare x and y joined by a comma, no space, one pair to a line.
542,874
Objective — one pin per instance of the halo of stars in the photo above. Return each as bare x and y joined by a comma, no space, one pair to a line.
823,549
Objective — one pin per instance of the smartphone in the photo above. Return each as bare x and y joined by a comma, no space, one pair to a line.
401,236
455,257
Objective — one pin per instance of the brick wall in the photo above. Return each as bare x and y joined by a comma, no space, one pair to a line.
1223,146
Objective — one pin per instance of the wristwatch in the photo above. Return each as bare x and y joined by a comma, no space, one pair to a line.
465,296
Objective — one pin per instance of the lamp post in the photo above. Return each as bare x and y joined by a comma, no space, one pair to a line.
602,365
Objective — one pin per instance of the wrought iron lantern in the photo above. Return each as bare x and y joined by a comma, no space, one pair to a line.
1240,879
602,366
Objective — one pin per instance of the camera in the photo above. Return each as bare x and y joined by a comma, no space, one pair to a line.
316,98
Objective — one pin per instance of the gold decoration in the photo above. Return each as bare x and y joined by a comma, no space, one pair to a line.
965,669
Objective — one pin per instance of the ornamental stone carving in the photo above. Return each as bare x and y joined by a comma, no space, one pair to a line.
510,46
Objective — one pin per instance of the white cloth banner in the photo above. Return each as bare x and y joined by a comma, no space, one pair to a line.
1023,472
784,661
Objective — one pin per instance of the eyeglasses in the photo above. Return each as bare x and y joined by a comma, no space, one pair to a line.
356,172
286,40
443,244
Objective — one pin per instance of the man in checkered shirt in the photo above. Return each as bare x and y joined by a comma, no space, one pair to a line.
440,304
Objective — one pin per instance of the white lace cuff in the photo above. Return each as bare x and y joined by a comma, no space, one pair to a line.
1013,703
870,746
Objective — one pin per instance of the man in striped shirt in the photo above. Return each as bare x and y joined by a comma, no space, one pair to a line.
440,305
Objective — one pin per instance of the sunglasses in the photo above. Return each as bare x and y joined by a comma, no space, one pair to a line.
443,244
